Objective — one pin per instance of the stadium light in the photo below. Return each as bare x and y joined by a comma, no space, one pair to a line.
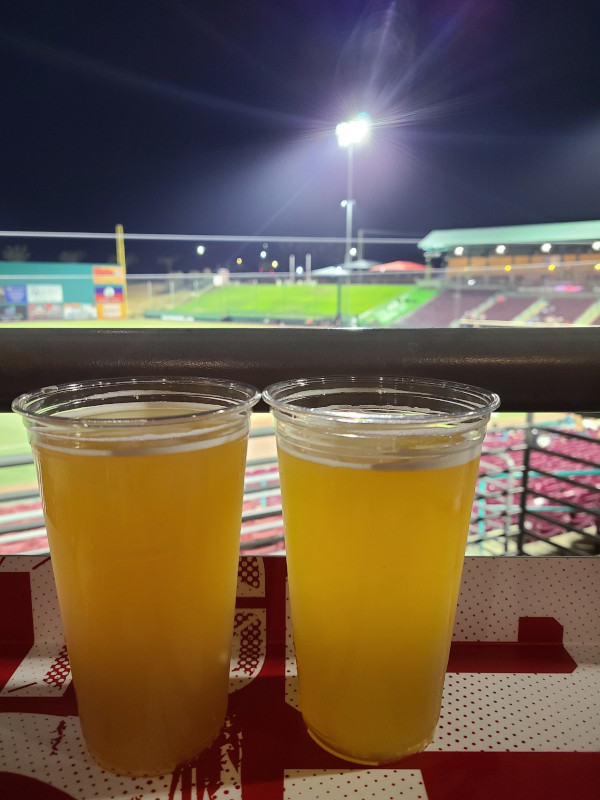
501,249
596,246
458,251
546,247
349,134
201,249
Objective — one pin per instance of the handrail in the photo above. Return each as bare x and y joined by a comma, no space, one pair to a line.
531,369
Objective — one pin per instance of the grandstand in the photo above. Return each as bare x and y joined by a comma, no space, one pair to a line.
445,308
521,254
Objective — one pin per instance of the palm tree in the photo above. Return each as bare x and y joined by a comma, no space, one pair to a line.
16,252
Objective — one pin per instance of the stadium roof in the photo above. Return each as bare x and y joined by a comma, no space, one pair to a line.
555,233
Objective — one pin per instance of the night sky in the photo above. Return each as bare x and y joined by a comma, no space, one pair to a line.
182,116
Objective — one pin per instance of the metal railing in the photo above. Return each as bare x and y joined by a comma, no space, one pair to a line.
507,518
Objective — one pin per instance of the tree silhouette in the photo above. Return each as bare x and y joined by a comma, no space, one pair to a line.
16,252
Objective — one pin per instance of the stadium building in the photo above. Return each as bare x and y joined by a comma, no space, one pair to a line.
521,255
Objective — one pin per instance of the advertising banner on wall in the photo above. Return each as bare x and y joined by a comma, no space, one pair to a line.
45,311
110,299
80,311
13,312
44,293
14,294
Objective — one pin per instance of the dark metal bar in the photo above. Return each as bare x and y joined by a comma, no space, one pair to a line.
572,459
536,471
574,506
515,362
498,494
34,522
567,434
19,494
572,551
524,484
563,525
254,544
262,513
16,461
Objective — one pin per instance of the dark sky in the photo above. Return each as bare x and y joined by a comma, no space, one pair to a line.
184,116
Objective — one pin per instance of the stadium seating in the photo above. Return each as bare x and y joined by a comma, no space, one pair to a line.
508,307
446,308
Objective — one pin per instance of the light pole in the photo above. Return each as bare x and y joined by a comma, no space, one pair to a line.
349,134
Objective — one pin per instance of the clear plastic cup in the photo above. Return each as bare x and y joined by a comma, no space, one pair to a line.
377,484
142,485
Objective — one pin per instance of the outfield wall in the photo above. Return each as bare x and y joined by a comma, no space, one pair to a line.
36,290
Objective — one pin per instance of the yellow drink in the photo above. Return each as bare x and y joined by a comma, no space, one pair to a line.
377,485
143,526
374,565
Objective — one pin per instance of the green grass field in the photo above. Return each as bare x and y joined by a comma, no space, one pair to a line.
291,301
13,441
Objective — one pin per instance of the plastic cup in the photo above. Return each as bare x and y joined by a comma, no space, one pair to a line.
142,485
377,484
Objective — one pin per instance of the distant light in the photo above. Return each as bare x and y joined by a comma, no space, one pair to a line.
458,251
471,282
543,440
339,269
265,245
507,268
501,249
353,251
355,131
274,264
596,246
201,249
263,253
299,270
551,267
238,261
546,247
344,203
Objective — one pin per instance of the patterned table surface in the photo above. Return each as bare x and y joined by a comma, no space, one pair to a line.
520,716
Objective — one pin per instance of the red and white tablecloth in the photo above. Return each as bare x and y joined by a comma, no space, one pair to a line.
520,717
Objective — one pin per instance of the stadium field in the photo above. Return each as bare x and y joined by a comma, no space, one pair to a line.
292,301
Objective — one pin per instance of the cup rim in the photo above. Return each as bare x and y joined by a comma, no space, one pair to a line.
19,404
490,401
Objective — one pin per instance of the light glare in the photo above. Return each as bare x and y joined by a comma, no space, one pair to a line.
355,131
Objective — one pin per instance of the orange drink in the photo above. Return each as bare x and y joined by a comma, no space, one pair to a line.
377,482
142,485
